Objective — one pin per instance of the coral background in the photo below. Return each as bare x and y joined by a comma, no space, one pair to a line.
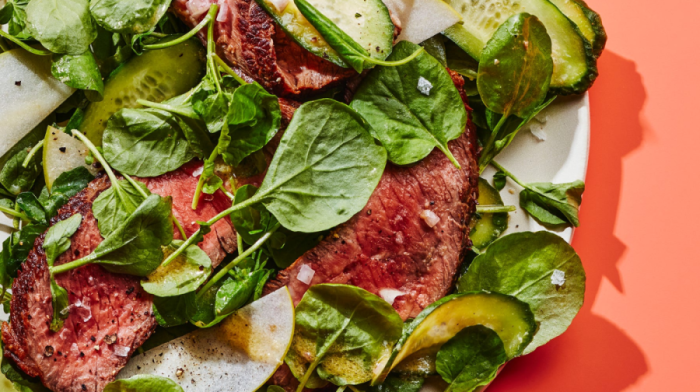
638,329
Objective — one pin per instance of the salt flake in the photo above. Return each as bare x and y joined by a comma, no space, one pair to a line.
430,218
390,295
306,274
558,277
121,351
198,172
424,86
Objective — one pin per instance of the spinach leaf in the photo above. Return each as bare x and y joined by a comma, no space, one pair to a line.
553,204
235,293
144,382
471,358
347,333
173,311
62,26
396,383
130,16
185,274
252,120
17,247
347,48
57,239
516,66
114,205
17,179
325,169
134,248
408,122
151,142
31,206
525,266
81,72
71,182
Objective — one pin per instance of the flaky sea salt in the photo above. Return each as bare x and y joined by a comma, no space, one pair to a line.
82,309
306,274
198,7
390,295
558,277
121,351
430,218
198,172
424,86
222,16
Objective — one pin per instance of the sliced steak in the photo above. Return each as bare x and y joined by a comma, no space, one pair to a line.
251,42
410,238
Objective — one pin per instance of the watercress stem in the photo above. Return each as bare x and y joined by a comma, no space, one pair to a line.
226,192
239,241
24,46
508,174
165,107
13,213
396,63
259,243
211,52
17,222
59,269
96,154
210,15
31,154
229,70
3,45
494,209
489,145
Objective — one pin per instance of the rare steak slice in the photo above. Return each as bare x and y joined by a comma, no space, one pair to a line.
249,40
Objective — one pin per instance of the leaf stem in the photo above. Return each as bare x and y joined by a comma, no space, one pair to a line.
494,209
226,192
200,182
211,52
489,145
96,154
229,70
3,46
59,269
239,242
508,174
188,35
14,213
396,63
257,245
31,154
166,107
24,46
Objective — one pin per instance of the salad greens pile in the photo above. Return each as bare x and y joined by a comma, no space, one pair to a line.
329,160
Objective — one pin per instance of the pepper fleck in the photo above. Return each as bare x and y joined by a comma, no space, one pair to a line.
62,149
18,83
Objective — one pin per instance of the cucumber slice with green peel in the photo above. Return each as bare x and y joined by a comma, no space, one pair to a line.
367,21
587,21
575,67
509,317
486,228
154,76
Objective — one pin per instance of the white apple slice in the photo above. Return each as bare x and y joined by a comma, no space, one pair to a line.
29,94
422,19
62,153
238,355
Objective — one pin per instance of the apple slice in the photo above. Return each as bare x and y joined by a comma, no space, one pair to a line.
62,153
238,355
29,94
422,19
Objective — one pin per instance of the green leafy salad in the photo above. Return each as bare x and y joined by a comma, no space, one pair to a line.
146,94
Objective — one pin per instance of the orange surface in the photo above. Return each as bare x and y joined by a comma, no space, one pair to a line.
639,329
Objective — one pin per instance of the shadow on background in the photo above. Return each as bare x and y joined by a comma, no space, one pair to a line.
594,354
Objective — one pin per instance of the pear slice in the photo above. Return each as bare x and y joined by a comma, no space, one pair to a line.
422,19
62,153
238,355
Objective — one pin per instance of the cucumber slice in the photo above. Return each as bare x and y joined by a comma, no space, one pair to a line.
486,228
367,21
574,63
587,20
509,317
155,76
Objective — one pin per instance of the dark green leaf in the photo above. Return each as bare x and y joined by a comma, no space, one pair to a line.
250,222
58,236
6,13
435,46
409,123
17,179
353,332
183,275
52,203
524,265
150,142
60,304
113,206
128,16
235,293
394,383
459,61
553,204
15,16
172,311
32,207
144,382
516,66
253,119
471,358
71,182
19,245
210,104
62,26
294,246
499,180
206,316
79,71
327,166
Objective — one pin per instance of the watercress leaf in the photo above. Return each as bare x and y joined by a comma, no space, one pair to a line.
399,383
553,204
71,182
212,182
144,382
146,142
294,246
435,46
251,222
134,248
79,71
173,311
252,120
210,104
351,329
257,294
206,316
499,180
524,265
57,239
52,203
516,66
32,207
17,179
234,293
325,169
471,358
128,17
6,13
19,246
62,26
59,301
16,25
409,123
113,206
183,275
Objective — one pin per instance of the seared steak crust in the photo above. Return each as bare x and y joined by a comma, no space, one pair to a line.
250,41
